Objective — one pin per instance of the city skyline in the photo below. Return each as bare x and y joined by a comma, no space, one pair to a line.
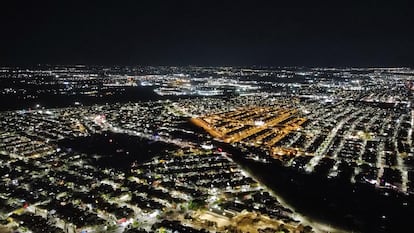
196,149
206,116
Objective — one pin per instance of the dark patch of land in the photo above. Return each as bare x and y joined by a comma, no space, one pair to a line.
48,100
116,150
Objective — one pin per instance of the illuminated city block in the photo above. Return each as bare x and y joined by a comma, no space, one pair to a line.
258,126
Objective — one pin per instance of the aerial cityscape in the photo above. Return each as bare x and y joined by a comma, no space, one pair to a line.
206,116
206,149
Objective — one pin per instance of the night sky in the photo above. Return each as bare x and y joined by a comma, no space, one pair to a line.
238,33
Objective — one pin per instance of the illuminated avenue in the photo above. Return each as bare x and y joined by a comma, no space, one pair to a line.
166,149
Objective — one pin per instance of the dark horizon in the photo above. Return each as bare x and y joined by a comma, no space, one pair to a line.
369,34
44,65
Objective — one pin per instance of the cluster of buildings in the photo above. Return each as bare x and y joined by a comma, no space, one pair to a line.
191,188
66,169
